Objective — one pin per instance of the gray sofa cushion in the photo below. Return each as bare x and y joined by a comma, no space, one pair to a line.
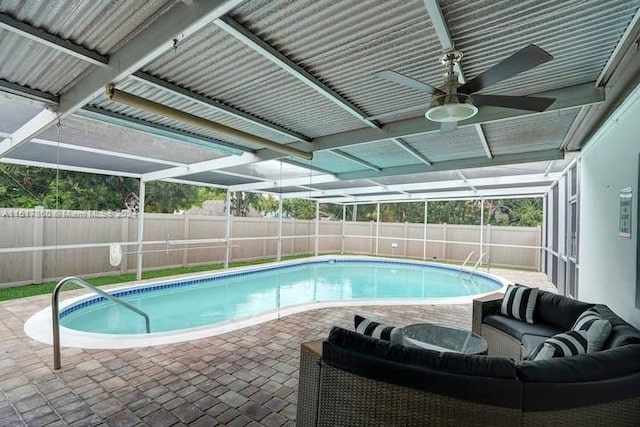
487,380
558,310
598,366
622,333
517,328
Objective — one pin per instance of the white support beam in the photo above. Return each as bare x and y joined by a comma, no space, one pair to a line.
205,166
548,169
269,52
146,46
436,185
27,131
52,41
116,154
445,195
566,98
412,151
290,182
66,167
464,179
196,183
141,202
483,141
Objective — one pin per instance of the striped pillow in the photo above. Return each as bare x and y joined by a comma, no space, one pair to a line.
376,330
565,344
597,329
519,302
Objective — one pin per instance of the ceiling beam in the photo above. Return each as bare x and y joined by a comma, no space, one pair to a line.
146,46
355,159
290,182
620,77
536,191
205,166
483,140
269,52
411,150
26,92
217,105
110,153
436,185
566,98
58,43
158,130
464,179
61,166
476,162
442,31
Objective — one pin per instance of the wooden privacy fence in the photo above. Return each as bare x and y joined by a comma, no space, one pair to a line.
44,245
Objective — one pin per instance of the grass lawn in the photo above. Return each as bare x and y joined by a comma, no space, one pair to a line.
47,288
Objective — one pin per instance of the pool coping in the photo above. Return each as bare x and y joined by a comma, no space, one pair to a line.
39,326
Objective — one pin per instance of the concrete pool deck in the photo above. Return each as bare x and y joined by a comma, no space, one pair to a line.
247,377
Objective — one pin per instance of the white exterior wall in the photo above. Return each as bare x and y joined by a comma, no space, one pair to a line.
608,262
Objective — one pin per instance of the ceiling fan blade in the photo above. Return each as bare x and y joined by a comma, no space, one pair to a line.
532,103
408,82
446,127
523,60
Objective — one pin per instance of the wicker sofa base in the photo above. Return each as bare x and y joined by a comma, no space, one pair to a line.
339,398
618,413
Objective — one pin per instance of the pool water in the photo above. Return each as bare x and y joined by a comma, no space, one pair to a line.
221,298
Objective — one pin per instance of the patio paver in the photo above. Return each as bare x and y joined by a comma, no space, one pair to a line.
247,377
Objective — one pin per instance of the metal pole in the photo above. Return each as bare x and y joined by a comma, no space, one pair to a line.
481,227
377,225
424,237
344,219
227,231
140,229
55,319
317,226
279,256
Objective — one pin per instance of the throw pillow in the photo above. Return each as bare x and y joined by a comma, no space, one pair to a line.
376,330
565,344
597,329
519,302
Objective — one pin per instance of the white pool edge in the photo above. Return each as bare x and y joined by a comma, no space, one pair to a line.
39,326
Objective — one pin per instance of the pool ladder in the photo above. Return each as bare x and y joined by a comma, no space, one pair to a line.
475,266
55,311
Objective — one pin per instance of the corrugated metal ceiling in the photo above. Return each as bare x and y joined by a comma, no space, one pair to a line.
341,43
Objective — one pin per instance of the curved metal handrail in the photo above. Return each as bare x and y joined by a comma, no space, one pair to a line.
55,311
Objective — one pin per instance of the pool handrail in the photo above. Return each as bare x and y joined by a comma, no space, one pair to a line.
55,311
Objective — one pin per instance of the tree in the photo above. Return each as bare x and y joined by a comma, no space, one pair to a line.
27,187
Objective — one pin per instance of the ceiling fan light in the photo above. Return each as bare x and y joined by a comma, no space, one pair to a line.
451,108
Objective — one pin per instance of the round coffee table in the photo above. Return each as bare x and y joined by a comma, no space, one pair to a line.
444,338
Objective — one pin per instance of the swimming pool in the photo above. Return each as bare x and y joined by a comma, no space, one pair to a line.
269,291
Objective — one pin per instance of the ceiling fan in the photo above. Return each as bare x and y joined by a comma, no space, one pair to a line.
454,102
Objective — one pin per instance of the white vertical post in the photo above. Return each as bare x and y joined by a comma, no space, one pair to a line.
377,225
481,225
317,226
344,220
424,236
140,229
227,230
354,215
279,253
38,240
124,237
185,233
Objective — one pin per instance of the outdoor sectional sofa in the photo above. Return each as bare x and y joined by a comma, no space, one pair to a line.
354,380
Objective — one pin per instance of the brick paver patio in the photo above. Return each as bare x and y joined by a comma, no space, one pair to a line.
243,378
